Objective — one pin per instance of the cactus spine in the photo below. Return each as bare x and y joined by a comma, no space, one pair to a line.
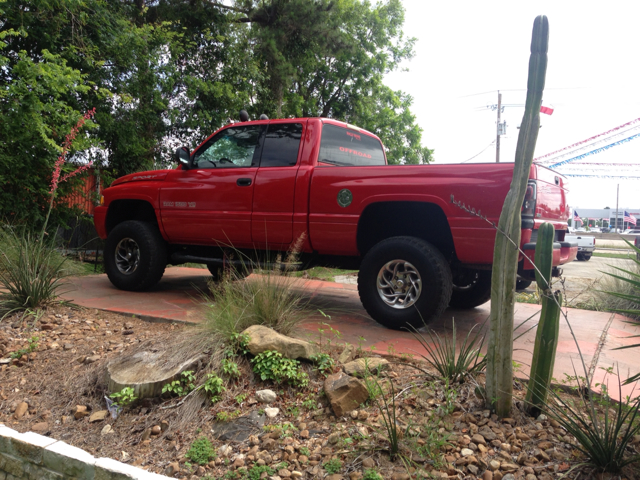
499,376
544,351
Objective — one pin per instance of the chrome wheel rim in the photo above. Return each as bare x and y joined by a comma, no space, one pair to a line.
127,256
399,284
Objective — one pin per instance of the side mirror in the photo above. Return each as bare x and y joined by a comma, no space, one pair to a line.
183,157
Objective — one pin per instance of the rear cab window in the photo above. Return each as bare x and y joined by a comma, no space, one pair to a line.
349,147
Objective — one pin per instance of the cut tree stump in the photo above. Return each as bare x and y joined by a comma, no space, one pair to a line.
146,372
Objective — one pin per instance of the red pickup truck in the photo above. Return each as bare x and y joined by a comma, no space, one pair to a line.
258,187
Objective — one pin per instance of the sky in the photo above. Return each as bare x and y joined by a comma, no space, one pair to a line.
468,50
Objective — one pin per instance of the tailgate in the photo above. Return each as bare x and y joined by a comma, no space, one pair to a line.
551,202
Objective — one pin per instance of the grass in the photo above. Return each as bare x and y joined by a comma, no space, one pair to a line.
630,255
323,273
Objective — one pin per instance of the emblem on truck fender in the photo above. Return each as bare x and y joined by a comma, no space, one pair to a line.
345,197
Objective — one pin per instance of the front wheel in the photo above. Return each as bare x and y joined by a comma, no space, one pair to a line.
135,255
404,281
470,288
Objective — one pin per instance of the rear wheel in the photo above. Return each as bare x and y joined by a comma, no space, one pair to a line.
522,284
404,281
135,255
218,272
470,288
586,257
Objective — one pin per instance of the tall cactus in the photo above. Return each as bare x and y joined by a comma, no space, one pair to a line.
544,350
505,257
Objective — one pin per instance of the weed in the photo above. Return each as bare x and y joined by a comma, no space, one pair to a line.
182,386
333,466
324,364
230,368
255,472
201,451
33,346
371,474
271,365
240,398
441,353
124,397
213,386
305,451
285,429
388,414
227,416
239,343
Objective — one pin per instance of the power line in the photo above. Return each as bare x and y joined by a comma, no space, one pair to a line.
482,151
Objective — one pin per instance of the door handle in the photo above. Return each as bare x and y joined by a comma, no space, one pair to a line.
243,182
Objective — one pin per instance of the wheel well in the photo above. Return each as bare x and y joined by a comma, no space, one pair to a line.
122,210
415,219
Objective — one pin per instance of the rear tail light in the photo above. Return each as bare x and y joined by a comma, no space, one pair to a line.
529,204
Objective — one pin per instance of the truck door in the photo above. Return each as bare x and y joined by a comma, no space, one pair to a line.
272,219
210,204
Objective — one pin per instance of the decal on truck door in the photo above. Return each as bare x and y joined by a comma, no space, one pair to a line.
345,197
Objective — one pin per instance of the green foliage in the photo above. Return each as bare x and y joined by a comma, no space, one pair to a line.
544,350
230,368
603,427
441,353
227,416
271,365
33,346
255,472
324,364
388,414
181,387
371,474
239,343
213,386
124,397
284,430
31,271
332,466
201,451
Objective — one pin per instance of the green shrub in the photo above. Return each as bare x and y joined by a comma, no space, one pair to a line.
201,451
31,271
371,474
124,397
323,364
213,386
182,386
271,365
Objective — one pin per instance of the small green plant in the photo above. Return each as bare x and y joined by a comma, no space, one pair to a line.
449,396
441,353
333,466
240,398
213,386
201,451
305,451
371,474
124,397
255,472
239,343
227,416
183,386
230,368
388,414
33,346
285,429
271,365
309,403
324,364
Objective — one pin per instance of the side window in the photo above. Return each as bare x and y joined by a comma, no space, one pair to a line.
346,147
281,145
231,148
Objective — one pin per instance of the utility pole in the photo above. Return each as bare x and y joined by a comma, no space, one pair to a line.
498,127
617,197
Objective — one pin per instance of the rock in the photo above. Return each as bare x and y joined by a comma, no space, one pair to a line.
478,439
400,476
92,359
487,475
80,412
271,412
225,450
238,463
98,416
465,452
362,365
263,338
508,467
545,445
473,469
345,393
172,469
156,430
284,473
21,409
107,429
347,354
41,428
494,464
145,372
335,476
266,396
164,425
509,476
333,438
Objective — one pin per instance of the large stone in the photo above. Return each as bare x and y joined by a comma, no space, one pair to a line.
146,372
98,416
347,354
263,338
361,366
266,396
21,409
345,393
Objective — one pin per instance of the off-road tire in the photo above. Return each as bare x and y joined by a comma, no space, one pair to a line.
218,272
152,255
470,289
521,285
435,276
586,257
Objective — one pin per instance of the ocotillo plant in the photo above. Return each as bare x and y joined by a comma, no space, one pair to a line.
505,258
544,351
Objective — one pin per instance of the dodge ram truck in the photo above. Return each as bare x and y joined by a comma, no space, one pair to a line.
254,189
